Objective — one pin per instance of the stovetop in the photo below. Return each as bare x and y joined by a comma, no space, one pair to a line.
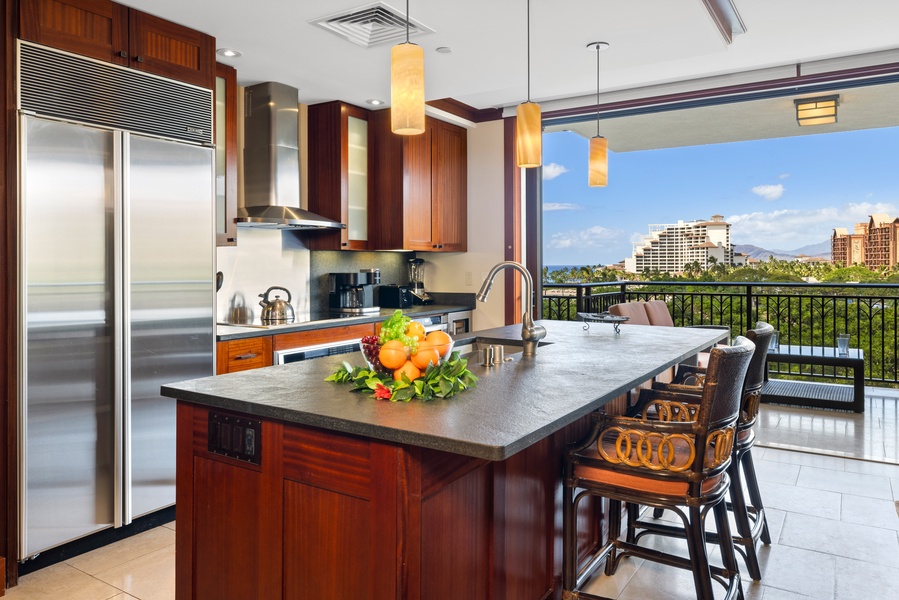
242,321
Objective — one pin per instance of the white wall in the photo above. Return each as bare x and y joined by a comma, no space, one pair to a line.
464,272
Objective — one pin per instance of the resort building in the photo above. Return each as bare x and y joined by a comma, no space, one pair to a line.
873,244
668,248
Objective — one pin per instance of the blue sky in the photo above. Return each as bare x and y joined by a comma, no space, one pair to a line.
779,194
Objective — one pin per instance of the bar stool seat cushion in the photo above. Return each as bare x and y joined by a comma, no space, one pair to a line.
645,484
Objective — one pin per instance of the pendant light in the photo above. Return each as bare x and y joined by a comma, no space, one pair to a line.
599,146
407,86
528,123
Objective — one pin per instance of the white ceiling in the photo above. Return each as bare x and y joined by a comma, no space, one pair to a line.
657,47
653,42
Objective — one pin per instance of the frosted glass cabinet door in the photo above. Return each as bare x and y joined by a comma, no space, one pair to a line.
357,179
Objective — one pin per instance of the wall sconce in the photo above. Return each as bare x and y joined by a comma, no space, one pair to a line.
817,111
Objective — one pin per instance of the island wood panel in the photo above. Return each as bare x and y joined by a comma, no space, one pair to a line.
338,545
456,548
227,541
297,339
343,516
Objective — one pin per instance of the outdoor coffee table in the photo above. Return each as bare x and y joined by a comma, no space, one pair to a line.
817,395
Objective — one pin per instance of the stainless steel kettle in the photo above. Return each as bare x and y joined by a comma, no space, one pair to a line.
277,310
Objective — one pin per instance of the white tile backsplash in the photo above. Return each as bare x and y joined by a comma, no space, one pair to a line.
261,259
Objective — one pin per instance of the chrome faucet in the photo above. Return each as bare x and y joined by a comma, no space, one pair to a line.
530,334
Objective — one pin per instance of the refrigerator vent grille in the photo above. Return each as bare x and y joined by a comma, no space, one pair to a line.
66,86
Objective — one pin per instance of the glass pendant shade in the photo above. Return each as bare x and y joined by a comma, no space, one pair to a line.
599,161
529,133
407,89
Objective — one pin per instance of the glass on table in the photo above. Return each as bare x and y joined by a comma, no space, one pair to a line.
843,344
774,344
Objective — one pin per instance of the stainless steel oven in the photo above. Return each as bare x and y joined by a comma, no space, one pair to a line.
291,355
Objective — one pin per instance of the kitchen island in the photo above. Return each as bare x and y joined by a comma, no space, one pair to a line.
339,495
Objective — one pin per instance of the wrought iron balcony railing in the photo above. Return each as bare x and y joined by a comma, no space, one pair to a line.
811,314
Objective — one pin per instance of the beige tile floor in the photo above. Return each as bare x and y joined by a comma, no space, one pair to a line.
834,523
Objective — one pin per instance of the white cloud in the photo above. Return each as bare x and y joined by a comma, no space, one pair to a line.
769,192
547,206
586,238
783,176
553,170
799,227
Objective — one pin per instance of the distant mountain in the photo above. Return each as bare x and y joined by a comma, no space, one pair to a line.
821,249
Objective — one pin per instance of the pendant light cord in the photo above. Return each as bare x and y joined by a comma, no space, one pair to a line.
407,21
529,50
597,89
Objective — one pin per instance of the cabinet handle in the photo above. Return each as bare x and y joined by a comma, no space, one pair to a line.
246,356
344,244
122,53
139,59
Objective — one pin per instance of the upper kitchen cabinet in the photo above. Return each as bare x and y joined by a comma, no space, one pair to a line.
225,155
339,167
421,187
115,33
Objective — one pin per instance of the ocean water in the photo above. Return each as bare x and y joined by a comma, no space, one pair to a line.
568,267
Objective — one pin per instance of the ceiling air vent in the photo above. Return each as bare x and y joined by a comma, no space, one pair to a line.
371,25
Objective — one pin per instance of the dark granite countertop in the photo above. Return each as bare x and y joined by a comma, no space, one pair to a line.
514,405
225,333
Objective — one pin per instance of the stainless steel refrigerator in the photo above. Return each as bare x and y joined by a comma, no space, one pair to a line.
116,298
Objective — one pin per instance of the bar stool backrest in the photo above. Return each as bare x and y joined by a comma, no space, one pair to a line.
658,314
722,393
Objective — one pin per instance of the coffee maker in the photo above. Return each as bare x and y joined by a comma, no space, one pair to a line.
353,293
417,282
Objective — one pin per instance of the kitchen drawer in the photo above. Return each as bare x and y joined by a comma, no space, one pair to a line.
240,355
299,339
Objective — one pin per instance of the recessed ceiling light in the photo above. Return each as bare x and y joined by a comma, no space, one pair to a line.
444,50
374,102
228,53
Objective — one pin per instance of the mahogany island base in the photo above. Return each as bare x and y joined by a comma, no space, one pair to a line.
376,506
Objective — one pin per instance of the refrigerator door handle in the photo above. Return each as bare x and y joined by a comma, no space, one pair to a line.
122,501
22,377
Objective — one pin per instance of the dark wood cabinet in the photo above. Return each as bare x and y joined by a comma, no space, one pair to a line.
339,182
117,34
225,155
421,187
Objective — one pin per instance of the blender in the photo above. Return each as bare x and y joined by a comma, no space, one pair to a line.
416,282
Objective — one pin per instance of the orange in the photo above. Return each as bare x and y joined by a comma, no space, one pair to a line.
416,330
426,355
392,354
409,369
441,341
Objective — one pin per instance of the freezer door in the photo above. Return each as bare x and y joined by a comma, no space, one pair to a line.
169,266
67,362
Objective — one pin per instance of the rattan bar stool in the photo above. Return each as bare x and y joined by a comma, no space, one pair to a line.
681,466
752,525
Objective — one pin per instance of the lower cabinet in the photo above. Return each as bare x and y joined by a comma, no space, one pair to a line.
332,515
241,355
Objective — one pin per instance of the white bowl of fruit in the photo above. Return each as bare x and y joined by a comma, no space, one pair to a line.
403,348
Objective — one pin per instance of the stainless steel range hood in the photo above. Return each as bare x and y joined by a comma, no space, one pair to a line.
272,162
